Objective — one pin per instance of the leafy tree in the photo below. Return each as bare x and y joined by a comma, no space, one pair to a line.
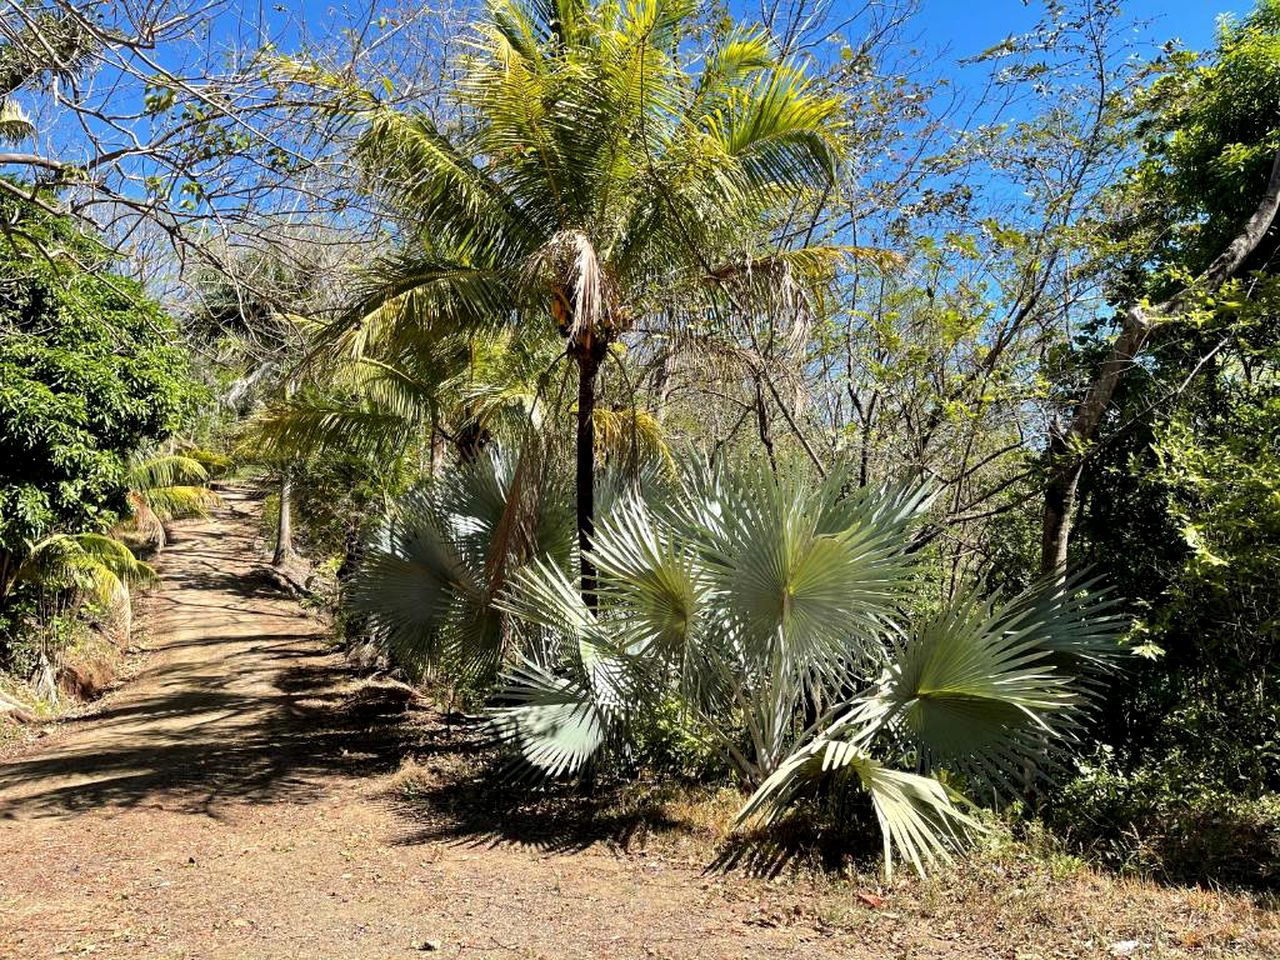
89,373
1178,497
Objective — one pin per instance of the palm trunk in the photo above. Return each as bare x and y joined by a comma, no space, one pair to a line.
588,369
45,680
284,527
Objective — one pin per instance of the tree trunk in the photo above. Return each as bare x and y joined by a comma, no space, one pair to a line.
588,368
1066,447
284,527
1055,533
45,680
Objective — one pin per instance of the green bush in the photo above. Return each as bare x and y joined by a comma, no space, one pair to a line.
669,744
1169,821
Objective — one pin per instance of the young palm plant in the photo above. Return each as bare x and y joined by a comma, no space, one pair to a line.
65,569
748,597
599,176
164,488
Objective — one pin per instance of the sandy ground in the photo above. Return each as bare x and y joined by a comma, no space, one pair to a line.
234,801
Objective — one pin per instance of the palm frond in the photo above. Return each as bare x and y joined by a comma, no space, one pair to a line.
89,564
989,687
433,571
165,471
15,122
918,817
562,713
178,502
306,424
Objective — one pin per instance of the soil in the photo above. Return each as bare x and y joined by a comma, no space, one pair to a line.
246,796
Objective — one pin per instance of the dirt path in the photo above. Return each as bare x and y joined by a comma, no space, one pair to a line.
233,801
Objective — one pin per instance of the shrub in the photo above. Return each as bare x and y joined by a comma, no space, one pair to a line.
1169,821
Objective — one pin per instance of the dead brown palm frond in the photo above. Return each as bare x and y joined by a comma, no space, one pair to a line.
584,296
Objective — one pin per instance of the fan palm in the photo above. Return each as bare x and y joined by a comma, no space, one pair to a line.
434,567
748,596
596,179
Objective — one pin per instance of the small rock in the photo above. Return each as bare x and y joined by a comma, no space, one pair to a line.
1122,948
429,946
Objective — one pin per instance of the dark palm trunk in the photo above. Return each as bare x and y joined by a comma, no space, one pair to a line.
588,368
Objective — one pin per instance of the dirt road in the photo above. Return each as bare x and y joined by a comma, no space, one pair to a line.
234,801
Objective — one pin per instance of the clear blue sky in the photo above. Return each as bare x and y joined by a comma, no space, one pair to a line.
971,26
965,26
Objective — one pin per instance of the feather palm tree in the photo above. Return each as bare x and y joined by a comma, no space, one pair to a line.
596,179
161,489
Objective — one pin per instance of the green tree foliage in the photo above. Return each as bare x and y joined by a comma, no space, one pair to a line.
1180,498
89,372
599,179
1209,143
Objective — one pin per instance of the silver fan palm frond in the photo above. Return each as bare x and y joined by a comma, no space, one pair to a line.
743,596
435,567
739,595
981,689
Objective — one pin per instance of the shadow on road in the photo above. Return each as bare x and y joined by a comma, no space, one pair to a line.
242,702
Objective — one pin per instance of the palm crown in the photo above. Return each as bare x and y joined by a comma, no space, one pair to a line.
592,178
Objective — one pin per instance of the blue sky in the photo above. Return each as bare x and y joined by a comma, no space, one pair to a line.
965,27
971,26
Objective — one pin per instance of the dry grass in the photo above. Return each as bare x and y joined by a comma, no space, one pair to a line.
1015,899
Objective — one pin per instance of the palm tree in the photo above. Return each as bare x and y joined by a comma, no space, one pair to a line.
164,488
65,569
748,596
594,179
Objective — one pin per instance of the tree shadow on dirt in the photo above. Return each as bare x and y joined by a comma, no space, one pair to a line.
462,790
201,743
